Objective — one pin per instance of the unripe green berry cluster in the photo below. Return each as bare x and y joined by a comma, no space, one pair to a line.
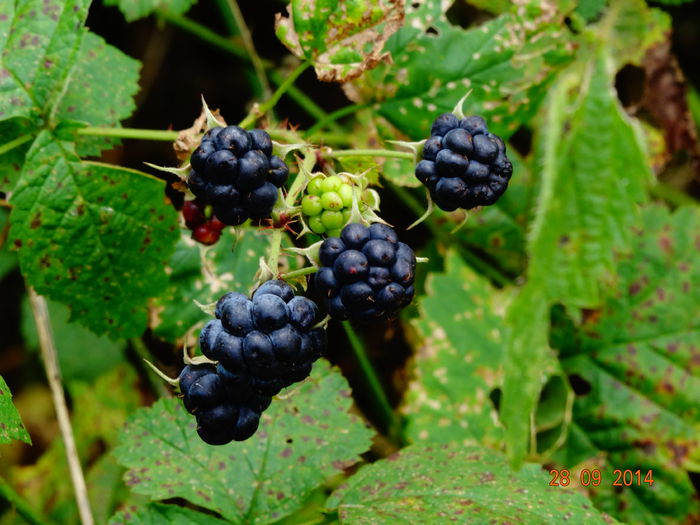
327,205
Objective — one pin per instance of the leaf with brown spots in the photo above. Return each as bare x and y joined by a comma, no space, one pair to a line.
157,514
639,365
89,233
11,426
303,439
459,360
455,484
341,39
507,64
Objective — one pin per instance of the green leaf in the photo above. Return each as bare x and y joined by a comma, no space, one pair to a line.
594,174
39,43
135,9
589,10
100,91
157,514
92,236
341,39
459,360
302,440
8,260
229,265
11,426
507,64
637,367
81,354
449,483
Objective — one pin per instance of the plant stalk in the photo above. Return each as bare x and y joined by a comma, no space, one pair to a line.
390,420
23,508
130,133
387,153
53,374
250,47
15,143
272,101
299,273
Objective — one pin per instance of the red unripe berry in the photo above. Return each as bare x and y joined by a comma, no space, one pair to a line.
193,212
204,234
215,224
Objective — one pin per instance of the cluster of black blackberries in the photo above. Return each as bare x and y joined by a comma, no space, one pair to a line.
261,346
235,171
366,273
463,164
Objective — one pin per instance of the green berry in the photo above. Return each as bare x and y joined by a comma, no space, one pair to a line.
330,200
332,183
332,220
346,215
314,186
311,205
334,233
316,225
345,192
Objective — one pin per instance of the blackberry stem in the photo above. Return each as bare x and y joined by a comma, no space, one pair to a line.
388,153
130,133
260,110
391,421
298,273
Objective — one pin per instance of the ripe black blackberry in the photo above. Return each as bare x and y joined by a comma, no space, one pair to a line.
235,171
366,273
261,346
463,165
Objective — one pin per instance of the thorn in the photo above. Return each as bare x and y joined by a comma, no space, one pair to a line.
169,380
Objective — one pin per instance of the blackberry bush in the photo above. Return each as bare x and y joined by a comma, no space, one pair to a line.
463,165
235,171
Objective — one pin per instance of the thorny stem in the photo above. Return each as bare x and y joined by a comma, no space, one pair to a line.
15,143
388,153
299,273
391,421
23,508
53,374
272,101
130,133
273,259
250,47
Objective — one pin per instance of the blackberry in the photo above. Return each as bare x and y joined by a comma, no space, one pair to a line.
262,345
235,171
366,274
463,165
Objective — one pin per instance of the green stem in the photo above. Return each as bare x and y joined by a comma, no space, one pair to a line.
228,18
273,259
22,507
475,262
390,420
672,195
238,50
298,273
130,133
250,47
15,143
332,117
272,101
205,34
388,153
